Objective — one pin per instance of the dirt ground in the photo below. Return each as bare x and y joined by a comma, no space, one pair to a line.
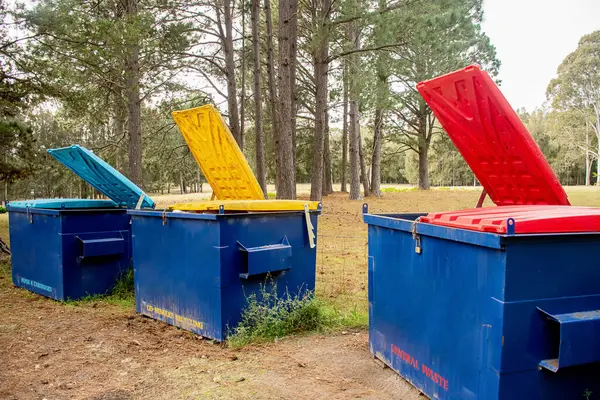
55,351
97,351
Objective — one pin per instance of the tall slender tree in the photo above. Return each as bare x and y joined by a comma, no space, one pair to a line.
258,123
286,169
273,96
577,85
321,73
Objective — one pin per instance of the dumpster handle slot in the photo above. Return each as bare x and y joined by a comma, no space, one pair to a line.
29,215
261,260
164,217
101,246
574,337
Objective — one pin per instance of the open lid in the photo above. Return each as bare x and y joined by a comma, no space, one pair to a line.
217,153
492,139
101,176
245,205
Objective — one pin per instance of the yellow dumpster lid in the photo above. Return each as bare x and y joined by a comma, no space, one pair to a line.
218,154
251,205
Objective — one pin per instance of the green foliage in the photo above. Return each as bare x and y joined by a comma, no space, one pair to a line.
398,190
5,270
575,95
578,82
587,394
16,90
2,210
268,316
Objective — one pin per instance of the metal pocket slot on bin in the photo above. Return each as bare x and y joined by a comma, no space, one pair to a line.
81,246
495,302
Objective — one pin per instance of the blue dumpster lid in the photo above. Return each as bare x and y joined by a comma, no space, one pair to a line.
101,176
64,203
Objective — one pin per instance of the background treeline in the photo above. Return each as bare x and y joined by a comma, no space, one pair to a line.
317,91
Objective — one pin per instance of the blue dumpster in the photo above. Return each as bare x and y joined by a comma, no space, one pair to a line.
71,248
196,270
496,302
196,264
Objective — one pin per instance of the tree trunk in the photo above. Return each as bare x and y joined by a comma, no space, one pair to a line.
199,181
364,174
260,146
327,169
227,43
288,16
423,164
597,129
272,88
353,95
588,163
424,140
598,165
243,83
320,75
376,159
354,131
345,127
181,184
133,101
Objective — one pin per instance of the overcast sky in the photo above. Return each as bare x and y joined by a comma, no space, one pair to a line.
532,37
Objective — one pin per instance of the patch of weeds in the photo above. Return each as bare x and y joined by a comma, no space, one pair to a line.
5,270
269,316
122,294
399,190
2,209
337,319
272,195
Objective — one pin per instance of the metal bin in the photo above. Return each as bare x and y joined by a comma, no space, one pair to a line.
72,248
496,302
196,264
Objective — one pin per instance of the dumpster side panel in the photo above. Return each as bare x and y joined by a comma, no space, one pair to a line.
256,231
87,273
570,383
36,252
552,266
96,220
93,260
434,314
529,338
177,271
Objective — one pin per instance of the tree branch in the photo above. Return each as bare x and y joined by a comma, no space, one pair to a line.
363,50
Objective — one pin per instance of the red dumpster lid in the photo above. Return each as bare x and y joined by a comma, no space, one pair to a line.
492,139
525,219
